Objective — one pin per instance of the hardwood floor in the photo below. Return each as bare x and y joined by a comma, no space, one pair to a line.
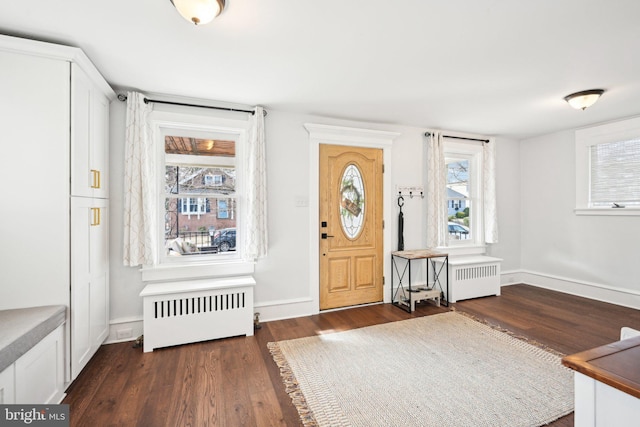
234,381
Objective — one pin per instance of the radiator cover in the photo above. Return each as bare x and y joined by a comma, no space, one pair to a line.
197,310
473,277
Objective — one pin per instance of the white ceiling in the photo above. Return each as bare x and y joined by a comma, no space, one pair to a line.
494,67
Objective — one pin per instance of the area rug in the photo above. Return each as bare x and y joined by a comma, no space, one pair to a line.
439,370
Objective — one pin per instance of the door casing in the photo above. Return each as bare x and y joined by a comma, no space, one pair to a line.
339,135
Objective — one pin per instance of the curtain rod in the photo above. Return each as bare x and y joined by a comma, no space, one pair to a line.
122,97
486,141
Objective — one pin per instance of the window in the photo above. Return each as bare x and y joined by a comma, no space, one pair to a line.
608,169
199,196
223,209
615,174
193,206
463,162
213,180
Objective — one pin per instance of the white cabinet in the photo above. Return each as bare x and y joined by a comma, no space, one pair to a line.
38,374
89,137
7,386
89,278
54,110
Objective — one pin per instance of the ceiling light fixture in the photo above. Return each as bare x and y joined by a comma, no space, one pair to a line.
199,11
584,99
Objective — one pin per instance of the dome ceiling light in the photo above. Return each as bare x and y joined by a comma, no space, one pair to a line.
584,99
199,12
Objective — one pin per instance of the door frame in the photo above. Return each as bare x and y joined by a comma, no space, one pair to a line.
355,137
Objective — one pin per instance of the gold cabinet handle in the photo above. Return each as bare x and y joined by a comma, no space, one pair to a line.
95,214
95,178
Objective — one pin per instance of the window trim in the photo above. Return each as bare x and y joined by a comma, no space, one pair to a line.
471,151
586,138
166,123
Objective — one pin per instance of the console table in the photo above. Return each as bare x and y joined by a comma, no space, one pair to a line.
607,384
406,297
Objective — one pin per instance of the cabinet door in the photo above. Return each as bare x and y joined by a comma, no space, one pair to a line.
7,386
89,137
90,279
39,373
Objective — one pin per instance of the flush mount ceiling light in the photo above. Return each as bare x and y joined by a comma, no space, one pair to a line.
199,11
584,99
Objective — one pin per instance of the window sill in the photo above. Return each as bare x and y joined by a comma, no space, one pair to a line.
463,250
608,211
168,272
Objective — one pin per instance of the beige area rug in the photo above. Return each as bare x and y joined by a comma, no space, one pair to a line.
439,370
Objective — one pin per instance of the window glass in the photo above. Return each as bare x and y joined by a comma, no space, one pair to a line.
615,174
352,201
200,196
459,200
608,169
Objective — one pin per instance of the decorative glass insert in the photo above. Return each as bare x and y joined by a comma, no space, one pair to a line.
352,199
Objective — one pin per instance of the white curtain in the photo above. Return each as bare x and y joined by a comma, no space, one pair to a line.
436,192
140,212
490,213
255,211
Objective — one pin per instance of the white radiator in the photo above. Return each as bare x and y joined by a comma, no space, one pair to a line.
197,310
473,277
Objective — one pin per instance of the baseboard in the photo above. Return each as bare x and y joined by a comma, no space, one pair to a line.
611,294
124,329
285,309
129,329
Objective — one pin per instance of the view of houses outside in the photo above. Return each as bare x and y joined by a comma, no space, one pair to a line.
458,201
200,204
202,208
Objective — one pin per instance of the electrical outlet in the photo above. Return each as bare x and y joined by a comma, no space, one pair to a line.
124,333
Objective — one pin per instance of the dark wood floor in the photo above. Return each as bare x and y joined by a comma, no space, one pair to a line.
234,382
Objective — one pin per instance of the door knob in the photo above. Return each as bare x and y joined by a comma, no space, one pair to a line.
325,235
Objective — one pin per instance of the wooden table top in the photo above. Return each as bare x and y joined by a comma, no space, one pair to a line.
616,364
418,254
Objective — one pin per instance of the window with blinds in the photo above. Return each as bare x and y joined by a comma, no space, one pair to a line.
615,174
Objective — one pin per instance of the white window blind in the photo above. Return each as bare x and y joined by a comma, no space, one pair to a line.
615,174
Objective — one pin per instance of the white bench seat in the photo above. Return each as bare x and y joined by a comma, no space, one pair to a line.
32,358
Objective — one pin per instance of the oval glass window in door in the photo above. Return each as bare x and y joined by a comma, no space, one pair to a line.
352,201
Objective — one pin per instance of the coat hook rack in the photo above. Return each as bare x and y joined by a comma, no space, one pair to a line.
410,191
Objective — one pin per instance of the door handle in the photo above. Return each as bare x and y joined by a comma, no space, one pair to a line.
325,235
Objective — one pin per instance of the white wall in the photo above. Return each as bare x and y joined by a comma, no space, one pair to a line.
593,256
508,196
283,277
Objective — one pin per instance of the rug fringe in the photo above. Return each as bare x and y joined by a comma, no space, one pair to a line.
510,333
292,387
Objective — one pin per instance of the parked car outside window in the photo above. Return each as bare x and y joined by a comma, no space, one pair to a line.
225,239
458,231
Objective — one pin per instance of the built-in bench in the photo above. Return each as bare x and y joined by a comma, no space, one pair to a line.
32,355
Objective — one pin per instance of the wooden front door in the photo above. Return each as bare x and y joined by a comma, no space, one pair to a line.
351,225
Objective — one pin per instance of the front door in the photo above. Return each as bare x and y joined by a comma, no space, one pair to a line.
351,225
